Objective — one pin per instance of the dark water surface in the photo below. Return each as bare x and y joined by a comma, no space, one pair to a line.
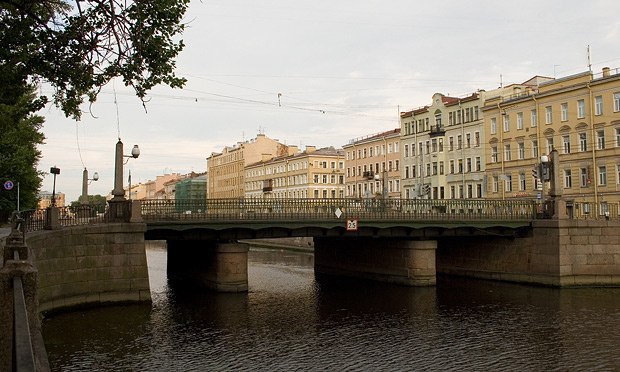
291,321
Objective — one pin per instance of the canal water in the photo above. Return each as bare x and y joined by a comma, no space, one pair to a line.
291,320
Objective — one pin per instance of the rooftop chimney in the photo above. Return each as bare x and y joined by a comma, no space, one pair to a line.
310,149
605,71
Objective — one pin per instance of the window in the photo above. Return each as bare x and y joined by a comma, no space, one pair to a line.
617,137
459,142
581,109
493,125
568,180
600,139
534,118
508,182
406,155
618,174
507,156
548,115
564,111
583,142
460,161
506,123
451,166
468,140
566,144
521,150
519,120
479,190
549,145
493,154
476,139
521,181
495,184
616,102
479,164
602,175
583,177
535,149
451,143
598,105
441,170
468,165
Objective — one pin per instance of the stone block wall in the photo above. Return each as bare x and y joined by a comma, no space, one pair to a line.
558,253
92,264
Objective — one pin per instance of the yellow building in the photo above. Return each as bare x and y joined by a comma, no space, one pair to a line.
309,174
45,199
226,169
579,116
373,165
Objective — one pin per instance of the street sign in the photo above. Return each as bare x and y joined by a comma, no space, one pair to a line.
8,185
539,196
352,225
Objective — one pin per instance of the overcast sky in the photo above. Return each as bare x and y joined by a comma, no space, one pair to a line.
321,73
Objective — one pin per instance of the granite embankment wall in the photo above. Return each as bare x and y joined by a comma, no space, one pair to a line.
562,253
90,265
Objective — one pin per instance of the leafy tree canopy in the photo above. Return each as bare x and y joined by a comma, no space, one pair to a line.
19,138
79,46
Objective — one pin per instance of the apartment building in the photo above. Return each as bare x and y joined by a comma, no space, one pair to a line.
579,116
443,155
226,170
373,165
309,174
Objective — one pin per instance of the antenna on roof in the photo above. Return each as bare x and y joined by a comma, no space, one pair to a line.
501,81
589,62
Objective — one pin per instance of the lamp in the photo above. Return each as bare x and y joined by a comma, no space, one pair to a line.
85,183
55,171
119,192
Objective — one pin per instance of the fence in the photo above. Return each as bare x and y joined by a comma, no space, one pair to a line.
322,209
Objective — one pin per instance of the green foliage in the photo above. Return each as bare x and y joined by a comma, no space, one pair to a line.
79,46
96,204
19,154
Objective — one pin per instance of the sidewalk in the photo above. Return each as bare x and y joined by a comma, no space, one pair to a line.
4,231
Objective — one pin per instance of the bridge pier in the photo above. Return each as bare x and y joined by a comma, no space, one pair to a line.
222,266
391,260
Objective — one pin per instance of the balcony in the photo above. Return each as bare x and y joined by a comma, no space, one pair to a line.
437,130
369,175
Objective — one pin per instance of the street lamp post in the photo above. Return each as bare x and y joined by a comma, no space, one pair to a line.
85,179
55,171
118,192
120,208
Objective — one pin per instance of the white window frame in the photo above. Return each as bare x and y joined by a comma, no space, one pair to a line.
598,105
548,115
564,111
519,120
581,109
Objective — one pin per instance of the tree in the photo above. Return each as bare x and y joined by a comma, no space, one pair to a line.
79,46
19,155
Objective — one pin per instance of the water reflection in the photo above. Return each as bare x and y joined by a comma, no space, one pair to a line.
291,320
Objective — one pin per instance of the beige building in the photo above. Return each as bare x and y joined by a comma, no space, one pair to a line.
443,152
226,175
372,165
309,174
577,115
45,199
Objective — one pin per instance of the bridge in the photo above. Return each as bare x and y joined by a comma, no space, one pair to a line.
83,257
260,218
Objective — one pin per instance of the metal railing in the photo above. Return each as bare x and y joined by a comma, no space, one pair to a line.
40,219
330,209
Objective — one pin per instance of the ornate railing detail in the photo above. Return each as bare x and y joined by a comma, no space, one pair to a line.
332,209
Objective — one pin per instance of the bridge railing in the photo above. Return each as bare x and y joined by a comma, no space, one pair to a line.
326,209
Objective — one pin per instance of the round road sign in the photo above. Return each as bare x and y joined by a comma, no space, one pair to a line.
8,185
